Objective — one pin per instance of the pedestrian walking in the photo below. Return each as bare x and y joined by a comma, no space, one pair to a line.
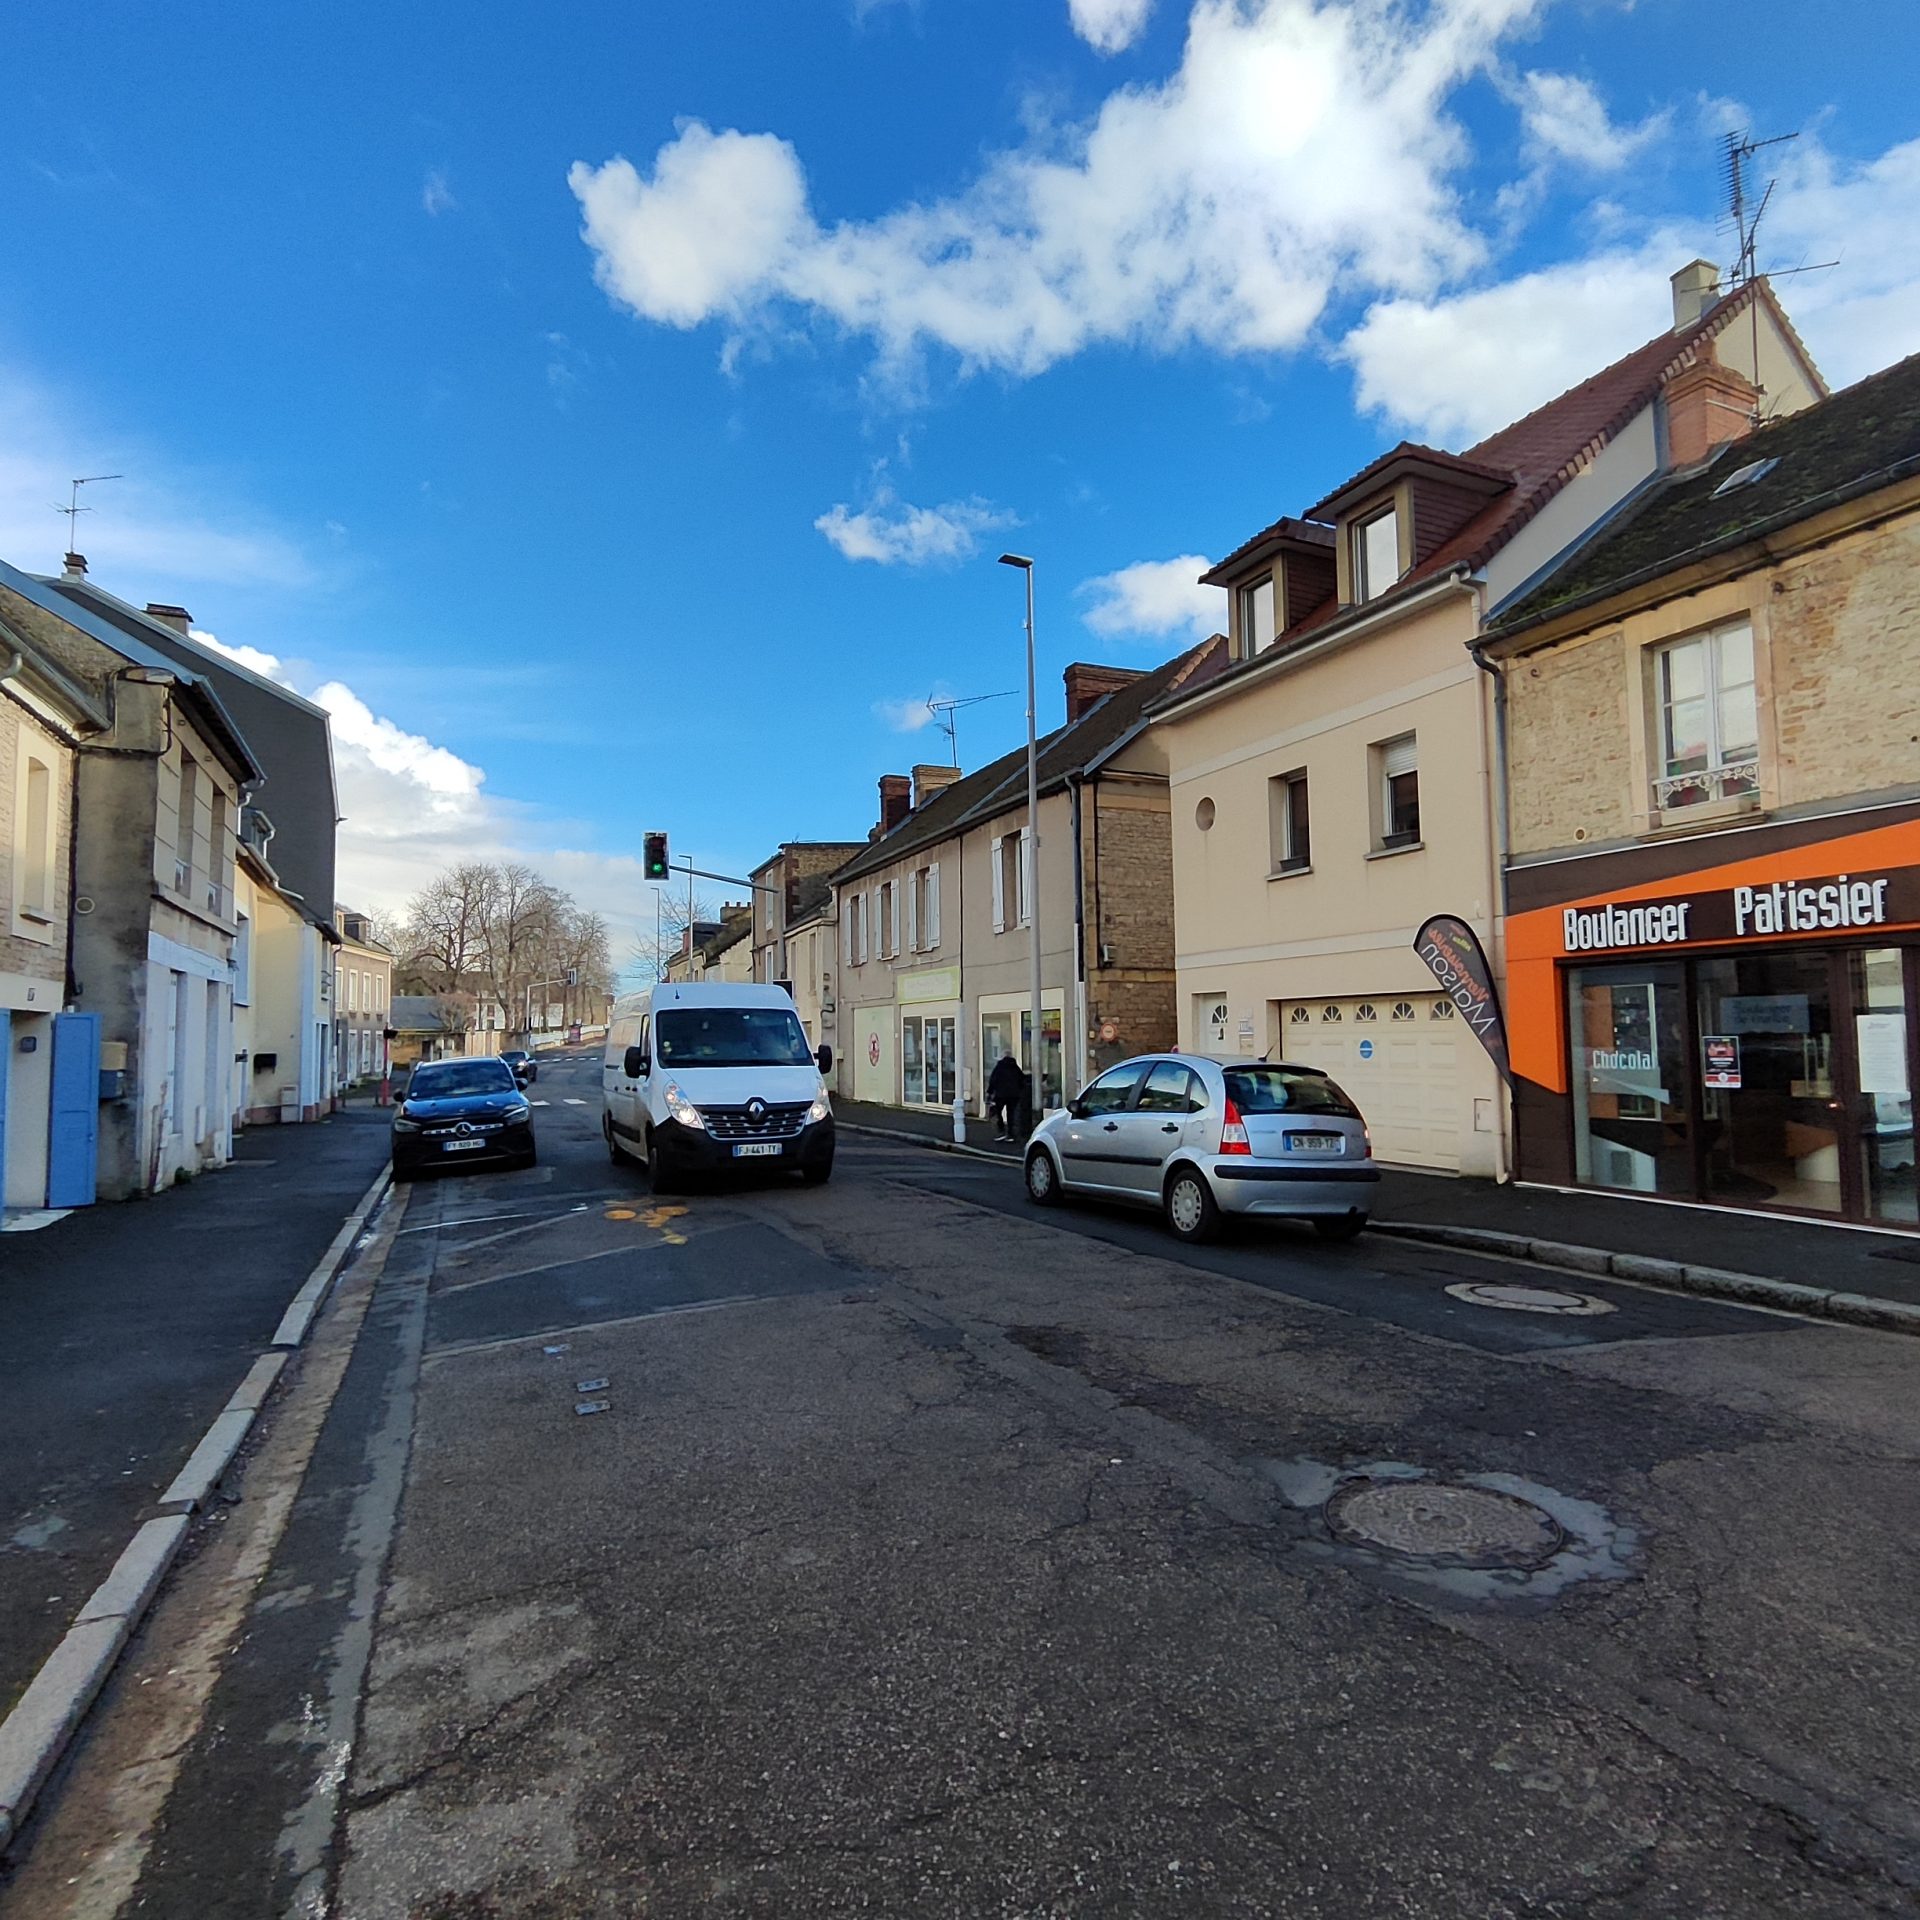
1006,1097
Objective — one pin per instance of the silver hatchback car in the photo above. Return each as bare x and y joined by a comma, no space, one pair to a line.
1199,1137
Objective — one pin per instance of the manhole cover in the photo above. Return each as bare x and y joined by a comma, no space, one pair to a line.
1478,1293
1452,1525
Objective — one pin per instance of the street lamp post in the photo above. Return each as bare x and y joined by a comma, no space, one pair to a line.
1031,877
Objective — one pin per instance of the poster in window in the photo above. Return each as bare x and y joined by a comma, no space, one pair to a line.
1881,1039
1720,1065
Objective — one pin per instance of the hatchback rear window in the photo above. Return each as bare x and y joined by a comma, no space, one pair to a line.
1286,1090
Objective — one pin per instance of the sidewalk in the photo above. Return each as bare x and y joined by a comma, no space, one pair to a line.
123,1330
1594,1230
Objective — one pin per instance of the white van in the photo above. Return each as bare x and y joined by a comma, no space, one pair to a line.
699,1077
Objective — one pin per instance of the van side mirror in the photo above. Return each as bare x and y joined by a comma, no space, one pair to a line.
824,1059
634,1063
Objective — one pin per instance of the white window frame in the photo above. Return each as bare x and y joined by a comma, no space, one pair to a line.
1720,779
35,872
1365,587
1396,758
1247,599
1284,855
1025,918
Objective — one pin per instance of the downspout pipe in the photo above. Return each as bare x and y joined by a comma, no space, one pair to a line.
1506,1143
1075,783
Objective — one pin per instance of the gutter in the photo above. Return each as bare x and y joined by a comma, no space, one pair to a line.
1277,660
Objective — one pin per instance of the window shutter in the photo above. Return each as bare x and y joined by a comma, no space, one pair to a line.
870,925
1026,875
846,930
913,913
893,907
933,906
999,884
1400,757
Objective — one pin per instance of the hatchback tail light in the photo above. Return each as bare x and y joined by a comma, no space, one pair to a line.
1233,1132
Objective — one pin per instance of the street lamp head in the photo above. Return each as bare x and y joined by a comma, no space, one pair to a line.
1015,560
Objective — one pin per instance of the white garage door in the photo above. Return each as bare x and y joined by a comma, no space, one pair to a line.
1398,1058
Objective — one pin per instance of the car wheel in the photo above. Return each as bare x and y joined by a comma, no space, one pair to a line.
1190,1208
818,1174
1043,1179
401,1173
1343,1226
616,1154
531,1158
661,1177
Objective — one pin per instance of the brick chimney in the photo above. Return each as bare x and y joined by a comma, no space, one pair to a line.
1087,685
1695,288
929,780
896,800
177,618
1707,405
75,568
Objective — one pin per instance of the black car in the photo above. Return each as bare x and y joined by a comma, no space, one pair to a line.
458,1111
525,1067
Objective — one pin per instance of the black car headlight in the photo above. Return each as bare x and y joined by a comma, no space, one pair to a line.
401,1123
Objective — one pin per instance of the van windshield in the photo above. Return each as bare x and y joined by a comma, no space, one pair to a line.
731,1037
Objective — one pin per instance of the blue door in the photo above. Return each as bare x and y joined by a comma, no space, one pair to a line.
74,1140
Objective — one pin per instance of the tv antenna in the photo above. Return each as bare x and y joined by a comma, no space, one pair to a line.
73,509
941,713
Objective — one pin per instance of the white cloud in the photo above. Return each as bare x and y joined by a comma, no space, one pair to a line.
907,714
266,665
1564,120
1300,144
173,530
1155,599
1455,368
893,533
1452,371
436,196
1109,26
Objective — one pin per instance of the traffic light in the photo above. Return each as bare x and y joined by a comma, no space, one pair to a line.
655,847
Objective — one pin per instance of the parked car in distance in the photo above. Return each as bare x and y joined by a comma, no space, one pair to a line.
700,1077
526,1069
461,1112
1200,1137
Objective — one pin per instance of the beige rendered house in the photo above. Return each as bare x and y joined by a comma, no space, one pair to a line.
1713,949
363,977
936,913
1341,781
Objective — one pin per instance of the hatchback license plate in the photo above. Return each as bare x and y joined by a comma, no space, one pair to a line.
757,1151
1315,1142
463,1146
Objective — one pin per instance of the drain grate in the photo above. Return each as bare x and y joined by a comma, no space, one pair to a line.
1445,1525
1520,1299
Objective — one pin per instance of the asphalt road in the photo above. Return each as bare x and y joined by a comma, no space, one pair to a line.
933,1555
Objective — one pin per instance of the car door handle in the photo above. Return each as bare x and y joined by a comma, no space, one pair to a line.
1172,1126
1112,1126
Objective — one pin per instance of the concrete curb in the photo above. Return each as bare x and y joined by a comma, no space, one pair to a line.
306,1303
1721,1283
35,1735
927,1141
1751,1289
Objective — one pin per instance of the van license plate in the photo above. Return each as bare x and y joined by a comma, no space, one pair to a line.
462,1146
758,1151
1315,1142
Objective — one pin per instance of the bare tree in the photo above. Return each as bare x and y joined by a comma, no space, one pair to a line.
650,960
444,940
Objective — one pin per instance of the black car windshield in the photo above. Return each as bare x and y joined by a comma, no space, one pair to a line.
1286,1090
731,1037
514,1053
449,1079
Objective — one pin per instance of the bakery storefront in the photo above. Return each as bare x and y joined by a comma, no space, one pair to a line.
1741,1034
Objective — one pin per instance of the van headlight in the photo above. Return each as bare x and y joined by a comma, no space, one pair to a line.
682,1109
820,1110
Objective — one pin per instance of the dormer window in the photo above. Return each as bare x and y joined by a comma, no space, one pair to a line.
1256,616
1376,553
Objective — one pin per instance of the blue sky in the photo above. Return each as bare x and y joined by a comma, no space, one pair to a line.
616,418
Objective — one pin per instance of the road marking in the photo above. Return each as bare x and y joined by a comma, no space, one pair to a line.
539,1103
464,1347
486,1219
572,1102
